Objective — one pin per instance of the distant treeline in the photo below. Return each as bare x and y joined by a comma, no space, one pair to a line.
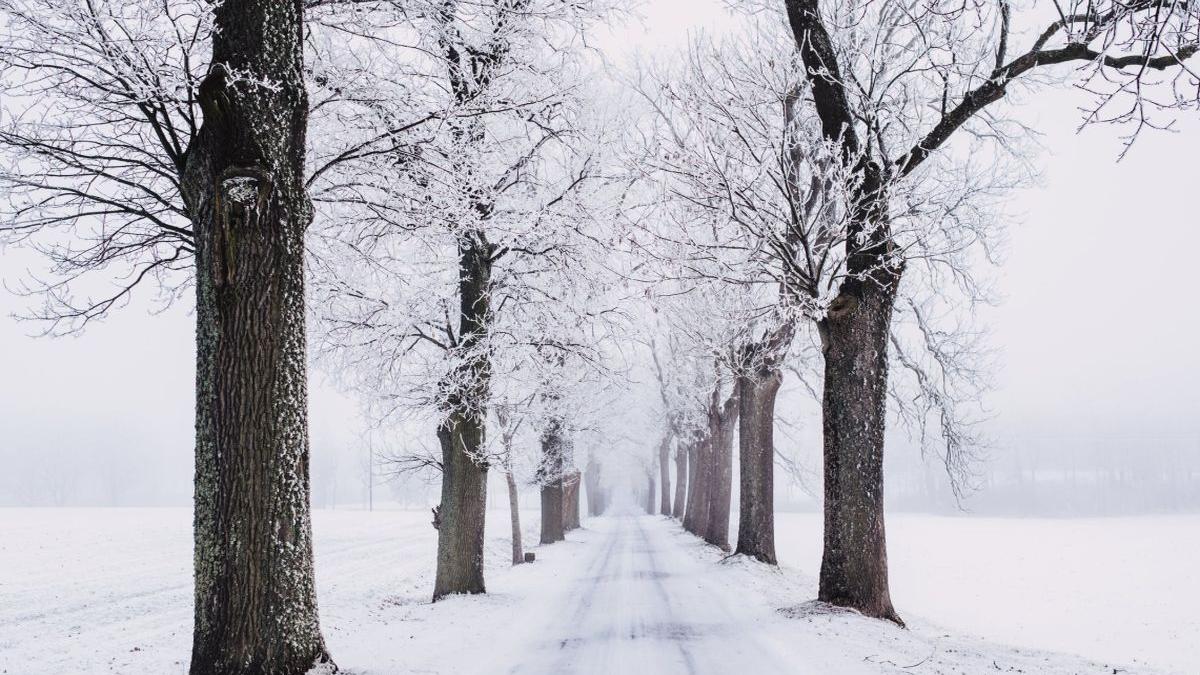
1068,474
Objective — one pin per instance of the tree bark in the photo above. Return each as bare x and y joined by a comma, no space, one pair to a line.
551,475
255,602
854,564
651,502
571,484
463,508
514,511
681,482
697,503
720,492
552,513
664,474
756,445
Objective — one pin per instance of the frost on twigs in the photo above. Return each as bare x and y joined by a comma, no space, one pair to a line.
92,147
459,240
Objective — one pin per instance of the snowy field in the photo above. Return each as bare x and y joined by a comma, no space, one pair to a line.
1118,589
109,591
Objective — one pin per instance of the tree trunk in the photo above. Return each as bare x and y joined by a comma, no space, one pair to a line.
664,474
720,491
756,446
571,483
551,477
651,502
594,498
552,511
514,511
854,564
693,465
695,520
681,482
854,337
255,602
463,508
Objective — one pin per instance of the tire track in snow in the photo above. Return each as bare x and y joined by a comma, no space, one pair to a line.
642,603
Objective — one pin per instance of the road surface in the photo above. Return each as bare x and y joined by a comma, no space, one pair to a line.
643,603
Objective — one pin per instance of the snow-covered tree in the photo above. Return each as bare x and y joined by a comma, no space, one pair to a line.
902,91
751,217
451,259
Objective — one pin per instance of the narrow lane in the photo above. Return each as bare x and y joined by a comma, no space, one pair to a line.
643,604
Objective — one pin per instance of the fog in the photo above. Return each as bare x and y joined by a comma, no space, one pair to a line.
1094,410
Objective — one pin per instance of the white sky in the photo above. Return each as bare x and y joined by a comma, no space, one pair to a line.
1097,332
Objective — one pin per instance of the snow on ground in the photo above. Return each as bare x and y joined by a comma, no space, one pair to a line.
1119,589
86,591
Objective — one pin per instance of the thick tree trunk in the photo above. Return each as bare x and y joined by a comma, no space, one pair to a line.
463,509
720,491
571,484
681,482
756,446
552,511
514,511
651,501
664,474
255,603
854,564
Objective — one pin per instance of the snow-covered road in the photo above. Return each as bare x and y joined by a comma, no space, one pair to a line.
642,604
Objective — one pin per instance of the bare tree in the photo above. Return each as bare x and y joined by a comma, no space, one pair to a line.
732,146
567,402
108,171
671,433
509,425
700,402
723,152
101,108
449,271
888,103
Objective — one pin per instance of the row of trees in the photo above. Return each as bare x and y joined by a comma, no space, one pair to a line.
436,187
423,164
823,203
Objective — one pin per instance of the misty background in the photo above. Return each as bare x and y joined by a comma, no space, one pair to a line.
1095,408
